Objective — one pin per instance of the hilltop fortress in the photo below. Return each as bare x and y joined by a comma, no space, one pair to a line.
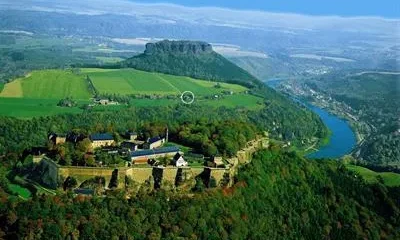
54,175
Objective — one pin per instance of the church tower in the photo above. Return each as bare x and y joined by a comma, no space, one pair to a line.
166,135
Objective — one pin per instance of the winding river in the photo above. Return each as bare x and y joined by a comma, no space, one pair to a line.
342,139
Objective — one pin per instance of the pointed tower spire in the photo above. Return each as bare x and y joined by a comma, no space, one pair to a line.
166,134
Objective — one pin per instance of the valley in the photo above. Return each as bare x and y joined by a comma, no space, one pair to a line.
365,100
341,139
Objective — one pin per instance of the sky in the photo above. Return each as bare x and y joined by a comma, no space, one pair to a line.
348,8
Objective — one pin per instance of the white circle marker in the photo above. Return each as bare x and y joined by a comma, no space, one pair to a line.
187,97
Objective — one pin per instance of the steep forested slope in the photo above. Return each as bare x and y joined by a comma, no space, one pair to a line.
277,196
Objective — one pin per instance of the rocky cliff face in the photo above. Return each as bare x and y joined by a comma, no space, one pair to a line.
179,47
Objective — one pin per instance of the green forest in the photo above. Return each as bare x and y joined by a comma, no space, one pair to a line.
18,135
277,196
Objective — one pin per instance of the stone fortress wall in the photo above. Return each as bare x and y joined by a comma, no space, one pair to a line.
167,174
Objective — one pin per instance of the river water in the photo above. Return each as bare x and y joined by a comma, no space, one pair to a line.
342,139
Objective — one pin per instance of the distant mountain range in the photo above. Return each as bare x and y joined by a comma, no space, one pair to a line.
367,42
252,29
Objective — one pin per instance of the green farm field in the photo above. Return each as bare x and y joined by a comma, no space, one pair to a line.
109,59
390,179
28,108
48,84
58,84
131,81
239,100
232,101
38,93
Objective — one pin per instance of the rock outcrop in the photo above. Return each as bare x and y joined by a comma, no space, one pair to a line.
178,47
189,58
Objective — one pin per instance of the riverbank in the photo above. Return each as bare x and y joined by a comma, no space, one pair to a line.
319,143
360,128
339,111
341,139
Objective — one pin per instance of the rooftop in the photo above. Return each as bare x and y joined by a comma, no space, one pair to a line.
166,149
53,134
84,191
125,143
155,151
101,137
177,156
154,139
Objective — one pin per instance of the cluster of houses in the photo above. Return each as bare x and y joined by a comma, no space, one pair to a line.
139,151
103,102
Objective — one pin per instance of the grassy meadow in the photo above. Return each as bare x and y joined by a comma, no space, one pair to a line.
12,89
38,93
131,81
28,108
109,59
240,100
48,84
128,81
390,179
